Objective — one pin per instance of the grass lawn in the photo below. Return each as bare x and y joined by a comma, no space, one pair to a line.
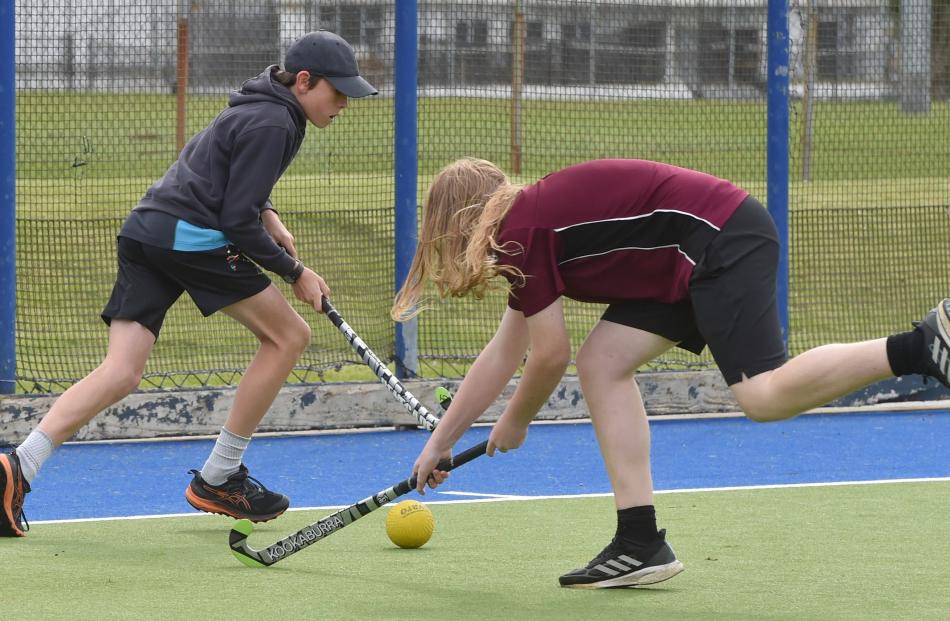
865,232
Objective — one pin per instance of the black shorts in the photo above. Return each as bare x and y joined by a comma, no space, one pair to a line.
150,279
731,306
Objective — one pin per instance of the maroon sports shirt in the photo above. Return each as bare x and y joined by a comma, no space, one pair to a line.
613,230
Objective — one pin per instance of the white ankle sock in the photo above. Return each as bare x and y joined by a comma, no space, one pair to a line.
33,453
225,458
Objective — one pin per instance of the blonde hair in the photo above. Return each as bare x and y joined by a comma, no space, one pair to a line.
463,209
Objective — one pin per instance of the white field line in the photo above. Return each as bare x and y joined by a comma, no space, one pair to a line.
487,497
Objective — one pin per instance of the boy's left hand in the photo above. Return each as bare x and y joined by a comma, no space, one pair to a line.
278,232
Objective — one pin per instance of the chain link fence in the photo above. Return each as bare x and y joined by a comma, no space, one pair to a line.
107,92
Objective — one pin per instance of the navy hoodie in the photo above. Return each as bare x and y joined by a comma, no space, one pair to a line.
223,177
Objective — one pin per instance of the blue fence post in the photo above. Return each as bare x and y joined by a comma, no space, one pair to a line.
7,196
777,157
406,174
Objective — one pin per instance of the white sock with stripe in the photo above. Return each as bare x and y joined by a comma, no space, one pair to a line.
225,458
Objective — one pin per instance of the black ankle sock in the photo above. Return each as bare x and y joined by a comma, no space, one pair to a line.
904,353
636,526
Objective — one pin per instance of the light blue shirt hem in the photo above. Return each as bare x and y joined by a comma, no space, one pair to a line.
191,238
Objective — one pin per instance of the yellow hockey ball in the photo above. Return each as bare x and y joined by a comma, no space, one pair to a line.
409,524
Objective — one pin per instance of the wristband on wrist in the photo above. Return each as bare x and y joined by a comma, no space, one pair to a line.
294,274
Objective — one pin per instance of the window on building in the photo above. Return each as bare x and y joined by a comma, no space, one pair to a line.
534,32
351,17
576,32
480,33
827,44
328,19
471,33
650,35
837,56
713,53
575,52
538,62
748,53
474,62
462,38
635,53
372,24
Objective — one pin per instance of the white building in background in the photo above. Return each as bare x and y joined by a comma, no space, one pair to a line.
696,48
657,48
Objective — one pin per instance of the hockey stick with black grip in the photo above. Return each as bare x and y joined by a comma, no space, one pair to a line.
426,418
325,527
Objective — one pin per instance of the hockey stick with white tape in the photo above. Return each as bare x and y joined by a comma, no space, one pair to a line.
426,418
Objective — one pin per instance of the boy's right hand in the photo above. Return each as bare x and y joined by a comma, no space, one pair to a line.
311,288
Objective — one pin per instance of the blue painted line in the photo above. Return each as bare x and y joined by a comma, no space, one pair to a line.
125,479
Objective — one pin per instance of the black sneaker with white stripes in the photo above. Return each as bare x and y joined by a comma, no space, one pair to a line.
617,566
936,330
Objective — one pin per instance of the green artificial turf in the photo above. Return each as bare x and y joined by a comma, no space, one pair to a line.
862,552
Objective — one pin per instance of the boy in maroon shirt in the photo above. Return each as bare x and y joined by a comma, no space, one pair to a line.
682,259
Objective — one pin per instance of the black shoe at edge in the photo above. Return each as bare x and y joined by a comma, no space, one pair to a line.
13,491
936,330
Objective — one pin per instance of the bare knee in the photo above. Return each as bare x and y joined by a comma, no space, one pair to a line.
123,378
592,366
584,363
294,337
764,414
598,367
303,336
759,402
763,409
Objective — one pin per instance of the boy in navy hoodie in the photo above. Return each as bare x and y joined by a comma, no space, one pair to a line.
208,227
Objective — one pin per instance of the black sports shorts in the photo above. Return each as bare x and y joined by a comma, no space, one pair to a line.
731,306
150,279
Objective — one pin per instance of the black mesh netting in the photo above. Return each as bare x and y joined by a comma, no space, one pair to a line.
106,92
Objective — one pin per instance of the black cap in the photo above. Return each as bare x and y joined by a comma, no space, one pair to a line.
329,55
